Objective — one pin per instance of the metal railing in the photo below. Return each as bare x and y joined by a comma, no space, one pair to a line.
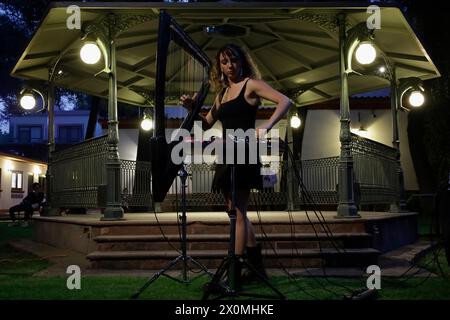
136,183
375,169
78,172
80,179
374,172
199,188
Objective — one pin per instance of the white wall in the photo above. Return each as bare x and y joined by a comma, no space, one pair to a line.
7,199
321,136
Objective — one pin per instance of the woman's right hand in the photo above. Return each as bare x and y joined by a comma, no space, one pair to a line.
187,101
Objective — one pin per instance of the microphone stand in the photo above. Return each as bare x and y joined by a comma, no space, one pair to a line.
183,258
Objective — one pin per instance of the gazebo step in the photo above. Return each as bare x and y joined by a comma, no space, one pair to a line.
212,258
221,241
226,237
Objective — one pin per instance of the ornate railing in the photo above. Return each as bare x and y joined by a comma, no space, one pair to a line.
199,185
319,178
78,174
80,179
375,170
136,186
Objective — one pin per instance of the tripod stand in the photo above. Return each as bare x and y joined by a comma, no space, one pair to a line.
183,258
228,264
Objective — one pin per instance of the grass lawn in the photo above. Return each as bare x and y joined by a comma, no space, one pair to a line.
17,282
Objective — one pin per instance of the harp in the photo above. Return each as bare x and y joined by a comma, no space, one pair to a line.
171,81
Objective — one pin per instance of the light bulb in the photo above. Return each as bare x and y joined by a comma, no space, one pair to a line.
416,99
147,124
296,122
27,101
366,53
90,53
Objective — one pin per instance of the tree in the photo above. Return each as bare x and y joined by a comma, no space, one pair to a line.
429,129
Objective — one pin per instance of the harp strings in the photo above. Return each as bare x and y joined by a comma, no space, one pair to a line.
184,75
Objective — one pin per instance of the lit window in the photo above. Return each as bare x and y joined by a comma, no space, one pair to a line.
17,180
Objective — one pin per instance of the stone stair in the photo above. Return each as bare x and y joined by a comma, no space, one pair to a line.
144,247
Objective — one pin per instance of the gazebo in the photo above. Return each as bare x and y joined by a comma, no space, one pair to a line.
309,51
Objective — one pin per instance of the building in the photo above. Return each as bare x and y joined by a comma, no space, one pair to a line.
17,174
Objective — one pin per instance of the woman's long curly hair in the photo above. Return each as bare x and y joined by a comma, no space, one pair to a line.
249,69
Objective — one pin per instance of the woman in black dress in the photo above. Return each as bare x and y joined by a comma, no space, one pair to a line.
239,92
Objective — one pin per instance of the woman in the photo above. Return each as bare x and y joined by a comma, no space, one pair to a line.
240,90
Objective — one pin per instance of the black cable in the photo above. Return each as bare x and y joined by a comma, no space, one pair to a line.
290,277
324,227
162,231
305,194
323,223
265,240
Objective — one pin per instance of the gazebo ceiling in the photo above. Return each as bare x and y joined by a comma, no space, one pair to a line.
295,46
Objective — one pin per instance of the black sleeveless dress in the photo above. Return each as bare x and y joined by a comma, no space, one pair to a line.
237,114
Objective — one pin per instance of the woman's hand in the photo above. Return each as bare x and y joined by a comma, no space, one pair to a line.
187,101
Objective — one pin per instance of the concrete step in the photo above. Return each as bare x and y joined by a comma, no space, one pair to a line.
226,237
224,228
211,258
221,241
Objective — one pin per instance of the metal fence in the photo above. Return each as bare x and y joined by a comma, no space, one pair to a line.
136,183
80,179
199,188
78,171
375,169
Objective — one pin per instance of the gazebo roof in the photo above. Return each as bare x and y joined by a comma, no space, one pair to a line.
295,45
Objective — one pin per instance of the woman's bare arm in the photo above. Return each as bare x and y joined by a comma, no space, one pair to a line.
210,118
263,90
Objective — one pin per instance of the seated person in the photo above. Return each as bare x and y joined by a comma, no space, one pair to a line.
30,203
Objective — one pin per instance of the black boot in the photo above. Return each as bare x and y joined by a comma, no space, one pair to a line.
217,288
254,258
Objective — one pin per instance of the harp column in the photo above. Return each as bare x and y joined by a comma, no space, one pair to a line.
113,209
346,207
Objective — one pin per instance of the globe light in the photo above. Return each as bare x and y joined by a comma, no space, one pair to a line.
90,53
416,99
365,53
296,122
27,101
382,69
147,124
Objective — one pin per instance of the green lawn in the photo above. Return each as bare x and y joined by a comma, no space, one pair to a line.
17,282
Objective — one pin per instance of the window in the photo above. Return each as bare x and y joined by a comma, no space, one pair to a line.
17,181
30,134
70,134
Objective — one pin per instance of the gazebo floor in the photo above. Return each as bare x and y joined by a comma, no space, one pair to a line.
290,239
